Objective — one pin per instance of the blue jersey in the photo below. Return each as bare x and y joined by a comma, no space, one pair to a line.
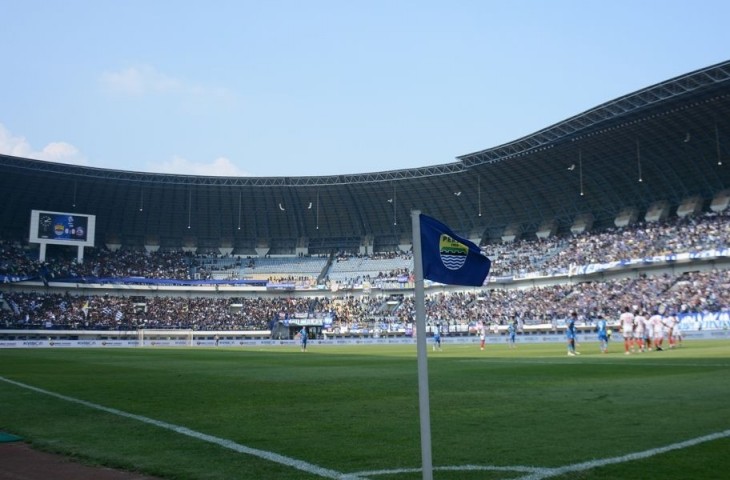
602,328
437,335
570,331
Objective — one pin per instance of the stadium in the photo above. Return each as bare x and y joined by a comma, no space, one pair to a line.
656,154
624,204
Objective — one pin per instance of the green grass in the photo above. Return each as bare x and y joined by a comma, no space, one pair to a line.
355,409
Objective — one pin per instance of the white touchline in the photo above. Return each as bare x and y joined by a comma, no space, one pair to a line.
540,473
273,457
457,468
536,473
577,467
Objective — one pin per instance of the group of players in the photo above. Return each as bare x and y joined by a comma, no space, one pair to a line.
640,333
644,332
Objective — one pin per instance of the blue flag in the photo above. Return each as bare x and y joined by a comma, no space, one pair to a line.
450,259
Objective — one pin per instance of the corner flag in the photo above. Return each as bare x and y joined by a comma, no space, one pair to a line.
450,259
444,257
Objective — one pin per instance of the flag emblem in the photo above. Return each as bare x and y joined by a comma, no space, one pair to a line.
453,253
448,258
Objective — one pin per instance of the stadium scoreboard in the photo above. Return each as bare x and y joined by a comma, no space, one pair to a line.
62,228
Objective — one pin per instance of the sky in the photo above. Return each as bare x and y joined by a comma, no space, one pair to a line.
282,88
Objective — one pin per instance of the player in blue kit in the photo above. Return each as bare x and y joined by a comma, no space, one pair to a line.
512,333
570,334
437,338
303,338
602,328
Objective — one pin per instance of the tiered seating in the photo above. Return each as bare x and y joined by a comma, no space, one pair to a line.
263,268
346,269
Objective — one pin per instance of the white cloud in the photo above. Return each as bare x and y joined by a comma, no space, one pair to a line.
139,81
220,167
146,80
60,152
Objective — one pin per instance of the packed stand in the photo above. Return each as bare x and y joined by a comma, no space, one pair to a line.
519,258
694,292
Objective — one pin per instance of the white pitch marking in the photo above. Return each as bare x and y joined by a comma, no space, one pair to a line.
535,473
578,467
457,468
538,473
231,445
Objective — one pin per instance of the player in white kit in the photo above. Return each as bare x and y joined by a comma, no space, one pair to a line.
639,331
627,328
673,334
657,323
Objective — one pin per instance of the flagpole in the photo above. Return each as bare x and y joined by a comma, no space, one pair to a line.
423,396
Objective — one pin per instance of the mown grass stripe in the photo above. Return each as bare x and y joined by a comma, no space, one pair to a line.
229,444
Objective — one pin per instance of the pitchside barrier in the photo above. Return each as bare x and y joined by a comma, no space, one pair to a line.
189,338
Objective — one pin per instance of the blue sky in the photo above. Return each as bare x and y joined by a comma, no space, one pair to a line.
298,88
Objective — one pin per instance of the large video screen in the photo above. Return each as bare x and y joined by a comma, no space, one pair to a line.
62,228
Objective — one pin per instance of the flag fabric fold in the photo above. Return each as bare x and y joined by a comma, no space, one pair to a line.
450,259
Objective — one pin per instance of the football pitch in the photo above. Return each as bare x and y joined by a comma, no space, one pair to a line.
351,412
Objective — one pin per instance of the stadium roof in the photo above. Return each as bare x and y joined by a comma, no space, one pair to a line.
666,142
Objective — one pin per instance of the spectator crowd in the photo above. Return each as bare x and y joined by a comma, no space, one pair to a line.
690,292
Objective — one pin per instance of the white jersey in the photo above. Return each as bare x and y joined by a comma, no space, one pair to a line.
627,324
670,322
639,326
676,332
658,325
